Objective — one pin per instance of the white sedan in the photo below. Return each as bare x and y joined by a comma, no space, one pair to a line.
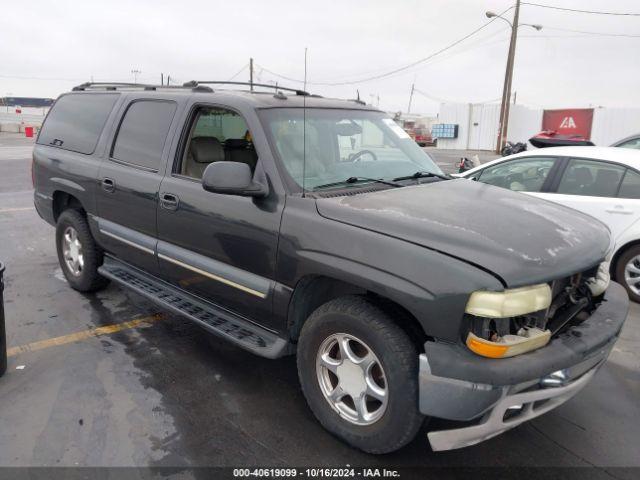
603,182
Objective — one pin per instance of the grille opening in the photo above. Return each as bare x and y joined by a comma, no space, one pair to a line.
540,403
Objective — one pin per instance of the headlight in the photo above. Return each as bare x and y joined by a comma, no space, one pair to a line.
508,320
600,282
509,303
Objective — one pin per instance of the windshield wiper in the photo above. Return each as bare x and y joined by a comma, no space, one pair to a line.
421,174
357,180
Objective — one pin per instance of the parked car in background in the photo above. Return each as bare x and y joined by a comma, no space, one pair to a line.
601,181
422,136
629,142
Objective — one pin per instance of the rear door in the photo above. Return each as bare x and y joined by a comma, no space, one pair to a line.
129,179
605,190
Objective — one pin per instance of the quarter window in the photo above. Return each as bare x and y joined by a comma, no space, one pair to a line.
591,178
523,175
143,132
630,187
76,120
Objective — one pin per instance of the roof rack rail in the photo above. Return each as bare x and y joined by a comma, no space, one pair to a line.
197,83
144,86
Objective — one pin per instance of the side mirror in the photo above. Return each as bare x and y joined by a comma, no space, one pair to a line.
232,178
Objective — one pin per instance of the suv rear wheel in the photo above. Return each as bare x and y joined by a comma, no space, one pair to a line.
359,374
78,253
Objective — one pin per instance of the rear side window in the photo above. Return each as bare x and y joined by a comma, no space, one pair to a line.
143,132
75,121
591,178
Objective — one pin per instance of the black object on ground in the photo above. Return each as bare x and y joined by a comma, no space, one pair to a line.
3,336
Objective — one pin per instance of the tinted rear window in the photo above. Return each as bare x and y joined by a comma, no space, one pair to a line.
143,132
76,121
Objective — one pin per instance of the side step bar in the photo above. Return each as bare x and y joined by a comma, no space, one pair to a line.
214,319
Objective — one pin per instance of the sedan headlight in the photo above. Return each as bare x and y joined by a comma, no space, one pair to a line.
508,320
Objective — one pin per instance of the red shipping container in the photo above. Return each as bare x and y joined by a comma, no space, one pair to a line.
570,121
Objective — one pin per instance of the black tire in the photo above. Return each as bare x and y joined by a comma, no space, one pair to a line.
88,280
621,263
359,317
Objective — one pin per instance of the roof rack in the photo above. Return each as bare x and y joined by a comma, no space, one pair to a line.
197,83
144,86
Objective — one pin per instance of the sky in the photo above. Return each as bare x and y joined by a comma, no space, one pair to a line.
47,47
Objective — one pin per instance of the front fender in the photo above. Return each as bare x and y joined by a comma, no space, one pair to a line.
432,286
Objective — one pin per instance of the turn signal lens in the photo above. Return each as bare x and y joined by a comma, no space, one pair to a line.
485,347
509,303
509,345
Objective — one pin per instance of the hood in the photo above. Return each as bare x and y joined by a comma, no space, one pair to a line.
521,239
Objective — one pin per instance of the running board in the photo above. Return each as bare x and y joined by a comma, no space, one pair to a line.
214,319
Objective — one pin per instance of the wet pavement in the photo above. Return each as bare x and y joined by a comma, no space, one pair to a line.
170,394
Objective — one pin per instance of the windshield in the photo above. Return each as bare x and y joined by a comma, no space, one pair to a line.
342,144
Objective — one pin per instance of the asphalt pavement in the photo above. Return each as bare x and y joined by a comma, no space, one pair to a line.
162,392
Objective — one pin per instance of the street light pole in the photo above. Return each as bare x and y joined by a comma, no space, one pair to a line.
510,61
135,73
508,74
413,87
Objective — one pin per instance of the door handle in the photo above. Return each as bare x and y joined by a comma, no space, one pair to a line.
169,201
108,185
620,210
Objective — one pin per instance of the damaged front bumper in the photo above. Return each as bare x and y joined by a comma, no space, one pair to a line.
499,394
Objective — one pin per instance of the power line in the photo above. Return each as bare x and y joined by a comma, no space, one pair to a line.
576,10
444,100
394,71
601,34
239,72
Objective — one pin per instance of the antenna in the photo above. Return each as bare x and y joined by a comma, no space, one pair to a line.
304,127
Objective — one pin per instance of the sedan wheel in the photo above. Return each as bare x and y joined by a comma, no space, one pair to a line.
627,271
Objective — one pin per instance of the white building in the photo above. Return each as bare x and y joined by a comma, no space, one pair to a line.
478,124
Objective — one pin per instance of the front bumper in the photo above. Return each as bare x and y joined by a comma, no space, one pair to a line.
498,394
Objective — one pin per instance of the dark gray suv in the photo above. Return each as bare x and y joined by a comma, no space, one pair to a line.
288,223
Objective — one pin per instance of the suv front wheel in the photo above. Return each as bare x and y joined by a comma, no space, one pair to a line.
78,253
359,373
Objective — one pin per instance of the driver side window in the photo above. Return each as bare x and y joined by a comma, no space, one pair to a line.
216,134
522,175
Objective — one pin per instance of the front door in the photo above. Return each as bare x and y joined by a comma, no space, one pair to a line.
129,180
219,247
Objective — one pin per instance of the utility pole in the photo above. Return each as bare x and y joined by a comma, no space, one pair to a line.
506,88
162,79
512,54
413,87
251,73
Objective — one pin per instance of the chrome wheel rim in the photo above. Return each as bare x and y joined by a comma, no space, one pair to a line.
352,379
632,274
72,251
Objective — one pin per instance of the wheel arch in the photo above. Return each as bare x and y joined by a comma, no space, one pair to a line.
619,252
63,200
312,291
